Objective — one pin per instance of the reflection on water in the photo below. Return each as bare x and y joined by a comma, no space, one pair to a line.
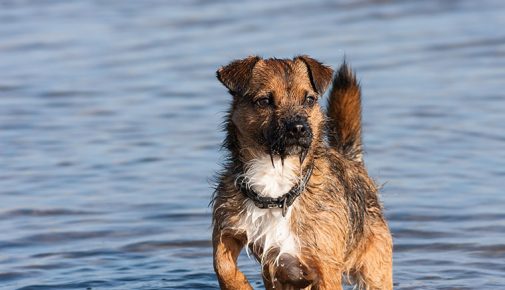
109,117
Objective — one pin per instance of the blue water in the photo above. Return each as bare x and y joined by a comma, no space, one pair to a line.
109,133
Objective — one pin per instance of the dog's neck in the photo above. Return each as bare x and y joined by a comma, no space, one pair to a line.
272,178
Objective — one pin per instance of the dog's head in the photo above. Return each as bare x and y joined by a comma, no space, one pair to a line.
275,103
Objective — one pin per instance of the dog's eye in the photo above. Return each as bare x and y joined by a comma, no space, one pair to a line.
310,100
263,102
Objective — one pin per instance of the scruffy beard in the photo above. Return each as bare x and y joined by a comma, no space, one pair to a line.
279,148
278,142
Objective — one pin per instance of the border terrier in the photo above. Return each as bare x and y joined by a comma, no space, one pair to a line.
294,190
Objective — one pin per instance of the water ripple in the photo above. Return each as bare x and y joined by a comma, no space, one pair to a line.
110,120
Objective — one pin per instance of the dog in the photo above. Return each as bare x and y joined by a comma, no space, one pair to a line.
294,190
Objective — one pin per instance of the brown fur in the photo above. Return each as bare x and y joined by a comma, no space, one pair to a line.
344,113
338,218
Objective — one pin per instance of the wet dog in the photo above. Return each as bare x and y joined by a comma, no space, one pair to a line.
294,190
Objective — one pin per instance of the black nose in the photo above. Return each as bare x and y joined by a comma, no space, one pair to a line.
297,128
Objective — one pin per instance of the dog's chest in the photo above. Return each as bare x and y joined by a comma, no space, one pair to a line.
267,228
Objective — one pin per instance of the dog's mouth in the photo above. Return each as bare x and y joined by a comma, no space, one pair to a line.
292,138
299,148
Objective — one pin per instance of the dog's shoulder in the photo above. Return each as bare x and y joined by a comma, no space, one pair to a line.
352,180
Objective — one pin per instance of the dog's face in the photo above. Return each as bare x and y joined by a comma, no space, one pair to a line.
275,103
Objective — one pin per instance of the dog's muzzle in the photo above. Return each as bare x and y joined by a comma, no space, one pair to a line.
290,136
298,133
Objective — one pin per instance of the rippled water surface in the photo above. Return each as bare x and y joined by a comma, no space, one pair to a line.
109,117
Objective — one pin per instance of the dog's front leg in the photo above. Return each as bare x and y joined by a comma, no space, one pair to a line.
226,251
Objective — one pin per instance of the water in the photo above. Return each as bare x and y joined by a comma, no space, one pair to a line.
109,117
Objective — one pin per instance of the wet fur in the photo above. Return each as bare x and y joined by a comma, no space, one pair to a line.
267,228
337,223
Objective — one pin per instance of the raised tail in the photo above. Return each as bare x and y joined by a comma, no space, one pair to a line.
344,114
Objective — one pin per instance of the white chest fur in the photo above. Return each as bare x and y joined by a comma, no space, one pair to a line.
267,228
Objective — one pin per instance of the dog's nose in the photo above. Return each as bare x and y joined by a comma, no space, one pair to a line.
297,129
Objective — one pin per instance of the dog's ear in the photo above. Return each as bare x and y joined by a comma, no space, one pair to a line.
236,75
319,74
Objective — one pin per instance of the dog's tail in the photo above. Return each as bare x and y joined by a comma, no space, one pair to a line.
344,114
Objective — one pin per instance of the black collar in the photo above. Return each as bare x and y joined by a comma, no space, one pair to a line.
283,201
